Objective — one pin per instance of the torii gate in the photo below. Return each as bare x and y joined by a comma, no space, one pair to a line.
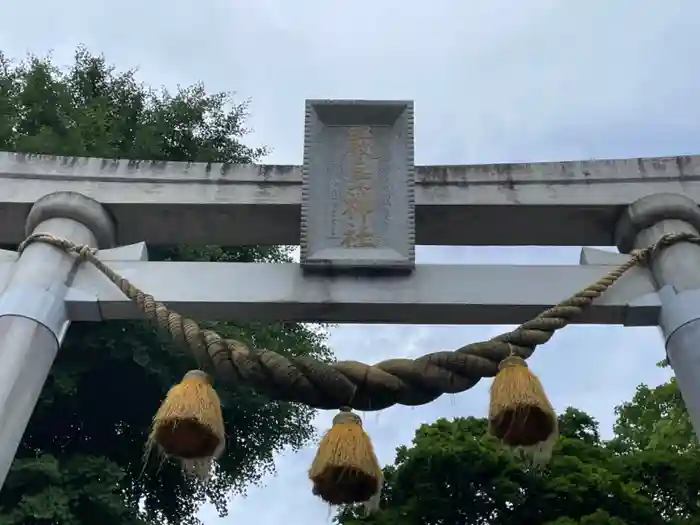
357,207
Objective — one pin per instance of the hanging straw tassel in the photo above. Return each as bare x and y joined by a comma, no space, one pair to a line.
345,469
189,425
520,415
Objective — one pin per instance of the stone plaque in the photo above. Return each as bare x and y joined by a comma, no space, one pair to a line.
357,207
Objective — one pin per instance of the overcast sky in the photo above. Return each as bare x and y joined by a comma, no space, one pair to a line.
492,81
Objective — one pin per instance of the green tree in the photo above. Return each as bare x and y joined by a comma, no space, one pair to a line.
456,474
655,439
655,418
80,461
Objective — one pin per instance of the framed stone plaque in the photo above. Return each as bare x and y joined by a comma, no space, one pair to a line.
357,207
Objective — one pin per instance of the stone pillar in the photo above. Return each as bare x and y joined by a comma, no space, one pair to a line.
676,271
33,318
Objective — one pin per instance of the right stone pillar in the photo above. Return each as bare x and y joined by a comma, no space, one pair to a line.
676,272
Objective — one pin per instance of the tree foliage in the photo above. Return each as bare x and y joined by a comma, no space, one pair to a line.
80,461
454,473
655,418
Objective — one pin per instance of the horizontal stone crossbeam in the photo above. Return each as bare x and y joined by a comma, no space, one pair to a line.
434,294
556,203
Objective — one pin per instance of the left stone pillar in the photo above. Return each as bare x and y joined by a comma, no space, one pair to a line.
33,317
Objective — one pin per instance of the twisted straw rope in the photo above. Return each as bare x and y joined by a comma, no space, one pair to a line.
351,383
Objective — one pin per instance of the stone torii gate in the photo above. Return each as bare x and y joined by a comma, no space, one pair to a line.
357,207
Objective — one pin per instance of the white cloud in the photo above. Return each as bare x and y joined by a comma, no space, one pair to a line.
492,81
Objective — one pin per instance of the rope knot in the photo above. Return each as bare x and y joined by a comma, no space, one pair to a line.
641,256
512,361
345,416
85,251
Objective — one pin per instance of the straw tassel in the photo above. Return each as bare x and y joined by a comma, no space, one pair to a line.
345,469
520,415
189,425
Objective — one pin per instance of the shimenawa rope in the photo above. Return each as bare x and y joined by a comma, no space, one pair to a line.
351,383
